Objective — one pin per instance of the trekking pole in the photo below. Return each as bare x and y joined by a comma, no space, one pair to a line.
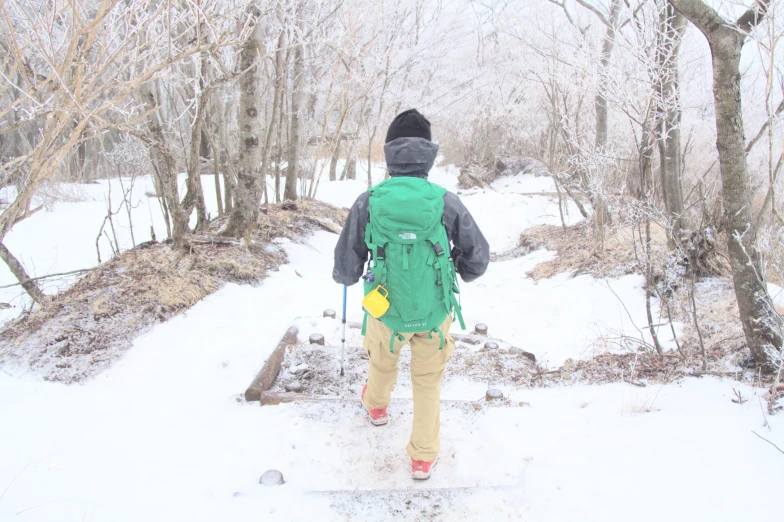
343,342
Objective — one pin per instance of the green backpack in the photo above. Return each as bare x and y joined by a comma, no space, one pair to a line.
410,257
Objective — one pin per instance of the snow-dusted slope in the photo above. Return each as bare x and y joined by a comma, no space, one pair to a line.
162,436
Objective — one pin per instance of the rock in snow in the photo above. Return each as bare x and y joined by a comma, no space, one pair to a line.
272,477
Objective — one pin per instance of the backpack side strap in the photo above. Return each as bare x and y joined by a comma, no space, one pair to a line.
456,306
394,336
440,335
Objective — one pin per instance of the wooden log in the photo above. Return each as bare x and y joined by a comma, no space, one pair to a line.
269,372
332,314
480,328
316,338
212,241
268,398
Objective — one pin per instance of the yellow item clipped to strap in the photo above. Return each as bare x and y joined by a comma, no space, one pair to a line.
376,302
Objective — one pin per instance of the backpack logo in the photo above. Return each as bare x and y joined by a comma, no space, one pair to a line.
408,235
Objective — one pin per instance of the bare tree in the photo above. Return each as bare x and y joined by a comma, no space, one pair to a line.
672,25
726,38
84,69
163,163
582,159
298,81
194,197
249,173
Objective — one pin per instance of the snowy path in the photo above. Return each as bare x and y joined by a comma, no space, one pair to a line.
161,435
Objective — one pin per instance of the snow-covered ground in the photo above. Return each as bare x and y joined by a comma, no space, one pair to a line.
162,435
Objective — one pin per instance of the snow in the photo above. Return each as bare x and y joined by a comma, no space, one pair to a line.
504,212
559,318
163,435
776,294
62,236
525,184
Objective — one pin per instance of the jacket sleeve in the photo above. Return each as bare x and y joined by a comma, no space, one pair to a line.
470,251
351,253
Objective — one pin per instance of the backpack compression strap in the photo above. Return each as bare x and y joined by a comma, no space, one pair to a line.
379,264
448,282
379,255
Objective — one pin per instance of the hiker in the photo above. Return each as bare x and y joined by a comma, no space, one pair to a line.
404,227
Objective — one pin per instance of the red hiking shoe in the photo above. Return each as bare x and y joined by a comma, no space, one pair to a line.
378,416
420,470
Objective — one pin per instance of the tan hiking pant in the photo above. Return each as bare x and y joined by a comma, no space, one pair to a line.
427,370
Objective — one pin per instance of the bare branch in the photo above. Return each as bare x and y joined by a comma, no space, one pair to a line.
766,440
602,18
753,16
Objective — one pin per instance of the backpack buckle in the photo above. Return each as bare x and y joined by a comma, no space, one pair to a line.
439,250
380,253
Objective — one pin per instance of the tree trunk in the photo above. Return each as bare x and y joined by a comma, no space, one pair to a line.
647,144
672,25
294,135
225,164
212,142
602,215
194,197
726,40
351,166
277,102
16,148
81,160
248,190
333,162
767,204
279,142
552,140
370,157
600,103
218,195
16,268
164,165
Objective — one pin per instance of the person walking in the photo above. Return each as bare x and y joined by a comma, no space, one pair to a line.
415,237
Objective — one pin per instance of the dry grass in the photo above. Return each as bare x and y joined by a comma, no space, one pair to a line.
577,252
80,331
716,306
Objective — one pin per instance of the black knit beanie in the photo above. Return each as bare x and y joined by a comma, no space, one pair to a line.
409,124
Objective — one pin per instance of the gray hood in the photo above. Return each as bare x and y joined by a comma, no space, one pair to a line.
410,156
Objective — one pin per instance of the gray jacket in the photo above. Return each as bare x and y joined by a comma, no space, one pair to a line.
412,157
